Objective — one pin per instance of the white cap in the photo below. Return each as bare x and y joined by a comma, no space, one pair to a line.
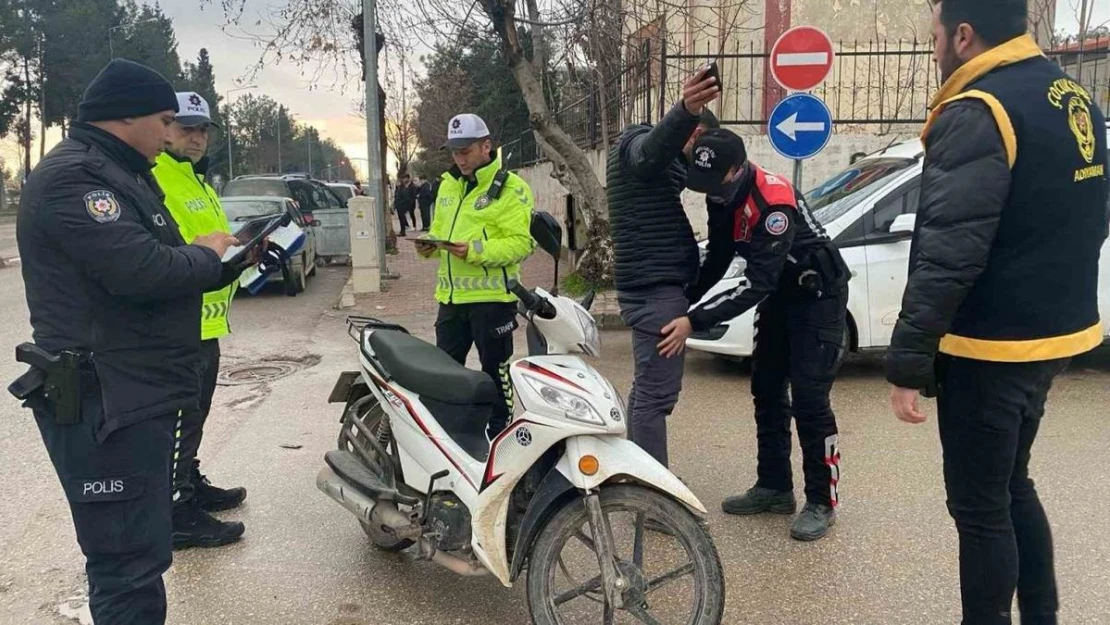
192,110
465,129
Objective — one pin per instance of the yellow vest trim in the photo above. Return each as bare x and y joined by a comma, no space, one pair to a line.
1034,350
1001,118
1013,51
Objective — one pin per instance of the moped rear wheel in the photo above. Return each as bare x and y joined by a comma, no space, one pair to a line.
670,576
370,415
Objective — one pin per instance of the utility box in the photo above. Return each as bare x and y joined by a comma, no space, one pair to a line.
366,275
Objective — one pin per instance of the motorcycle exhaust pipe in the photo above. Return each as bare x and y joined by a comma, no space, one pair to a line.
360,505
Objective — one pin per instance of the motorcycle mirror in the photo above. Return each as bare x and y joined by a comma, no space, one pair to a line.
547,233
588,301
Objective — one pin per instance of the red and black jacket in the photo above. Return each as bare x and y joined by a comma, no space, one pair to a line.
770,226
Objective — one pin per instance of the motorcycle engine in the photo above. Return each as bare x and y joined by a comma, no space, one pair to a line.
449,520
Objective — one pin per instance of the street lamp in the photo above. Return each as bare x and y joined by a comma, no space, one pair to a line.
230,158
111,46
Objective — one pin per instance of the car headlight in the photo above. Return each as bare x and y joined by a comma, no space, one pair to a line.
592,346
736,268
574,407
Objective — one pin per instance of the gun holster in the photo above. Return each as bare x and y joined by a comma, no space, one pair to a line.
56,376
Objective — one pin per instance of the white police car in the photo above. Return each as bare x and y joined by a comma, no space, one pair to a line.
869,211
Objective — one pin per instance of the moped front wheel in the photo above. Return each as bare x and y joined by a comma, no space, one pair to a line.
668,568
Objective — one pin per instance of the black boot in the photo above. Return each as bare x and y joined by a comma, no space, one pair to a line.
759,499
193,527
214,499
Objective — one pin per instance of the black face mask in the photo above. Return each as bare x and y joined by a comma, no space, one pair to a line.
727,193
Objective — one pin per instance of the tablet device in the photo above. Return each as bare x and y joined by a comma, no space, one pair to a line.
430,241
252,234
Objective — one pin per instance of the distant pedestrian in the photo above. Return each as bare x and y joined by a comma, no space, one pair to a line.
404,203
1003,288
425,196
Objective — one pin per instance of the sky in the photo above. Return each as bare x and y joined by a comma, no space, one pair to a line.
329,111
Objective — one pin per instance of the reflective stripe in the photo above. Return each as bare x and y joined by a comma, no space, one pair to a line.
214,311
1032,350
484,283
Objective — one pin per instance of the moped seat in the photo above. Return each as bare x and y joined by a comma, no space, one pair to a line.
429,371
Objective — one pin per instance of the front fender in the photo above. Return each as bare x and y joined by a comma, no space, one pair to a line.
620,458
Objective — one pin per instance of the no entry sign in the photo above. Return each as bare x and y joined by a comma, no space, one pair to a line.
802,58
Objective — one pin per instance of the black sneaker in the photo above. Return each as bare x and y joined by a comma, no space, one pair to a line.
214,499
759,499
193,527
814,522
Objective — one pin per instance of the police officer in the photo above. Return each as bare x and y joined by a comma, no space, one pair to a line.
114,293
799,284
180,171
1003,288
486,212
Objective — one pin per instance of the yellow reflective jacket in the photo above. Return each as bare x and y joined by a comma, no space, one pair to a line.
496,230
195,207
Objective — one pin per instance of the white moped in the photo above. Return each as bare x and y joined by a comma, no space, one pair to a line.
560,492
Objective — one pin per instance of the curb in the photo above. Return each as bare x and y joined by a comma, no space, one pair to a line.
609,321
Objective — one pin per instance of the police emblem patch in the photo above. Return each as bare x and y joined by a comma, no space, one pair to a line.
1079,119
102,206
481,202
777,223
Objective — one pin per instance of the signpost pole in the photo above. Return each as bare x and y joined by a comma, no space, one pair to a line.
798,174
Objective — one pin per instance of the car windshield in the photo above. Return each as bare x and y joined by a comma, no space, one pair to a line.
257,186
343,191
244,210
834,198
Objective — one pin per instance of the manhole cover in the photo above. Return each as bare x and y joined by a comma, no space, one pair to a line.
267,371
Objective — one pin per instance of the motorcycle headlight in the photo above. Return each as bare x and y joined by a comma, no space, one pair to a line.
736,269
574,407
592,346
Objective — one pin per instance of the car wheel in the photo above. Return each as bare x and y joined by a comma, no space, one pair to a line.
300,276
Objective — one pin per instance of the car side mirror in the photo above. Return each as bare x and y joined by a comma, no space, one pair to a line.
903,224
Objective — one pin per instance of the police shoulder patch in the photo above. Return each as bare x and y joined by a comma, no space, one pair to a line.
102,206
777,223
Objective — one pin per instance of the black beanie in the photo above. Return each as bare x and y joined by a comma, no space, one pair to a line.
126,89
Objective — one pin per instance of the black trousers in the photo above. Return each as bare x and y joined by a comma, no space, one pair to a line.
425,216
489,327
119,495
989,414
798,343
190,427
407,217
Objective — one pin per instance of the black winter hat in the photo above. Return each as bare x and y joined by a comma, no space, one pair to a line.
126,89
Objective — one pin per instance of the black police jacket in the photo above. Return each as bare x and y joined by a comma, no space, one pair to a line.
645,176
107,272
770,226
1005,258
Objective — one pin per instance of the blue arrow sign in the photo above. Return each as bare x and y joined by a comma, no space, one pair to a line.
800,126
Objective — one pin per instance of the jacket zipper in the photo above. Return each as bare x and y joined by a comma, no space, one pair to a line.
450,233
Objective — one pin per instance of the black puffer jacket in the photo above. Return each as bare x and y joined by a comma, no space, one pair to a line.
645,177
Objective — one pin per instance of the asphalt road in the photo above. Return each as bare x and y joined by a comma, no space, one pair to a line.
304,561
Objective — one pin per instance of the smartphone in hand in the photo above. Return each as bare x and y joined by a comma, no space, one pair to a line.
712,71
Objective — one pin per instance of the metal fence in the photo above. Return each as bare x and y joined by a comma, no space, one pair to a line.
875,87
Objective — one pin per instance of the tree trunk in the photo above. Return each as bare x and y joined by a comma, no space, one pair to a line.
571,167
